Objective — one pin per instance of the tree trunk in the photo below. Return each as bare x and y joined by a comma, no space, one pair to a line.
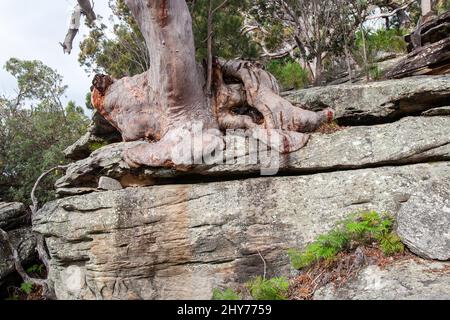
366,60
209,50
426,7
163,104
319,67
168,104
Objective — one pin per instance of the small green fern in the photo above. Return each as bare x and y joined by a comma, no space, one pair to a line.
227,294
26,287
269,289
360,229
390,244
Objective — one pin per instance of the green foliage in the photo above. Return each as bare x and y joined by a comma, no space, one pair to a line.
363,228
228,42
93,146
35,128
289,73
36,269
391,40
26,287
118,51
227,294
121,50
442,6
390,243
375,72
36,81
378,42
269,289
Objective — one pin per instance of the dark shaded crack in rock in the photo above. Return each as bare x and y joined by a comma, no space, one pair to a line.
72,208
412,106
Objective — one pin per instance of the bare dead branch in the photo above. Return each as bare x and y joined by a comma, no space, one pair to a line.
34,207
40,241
87,10
83,7
15,257
265,264
392,13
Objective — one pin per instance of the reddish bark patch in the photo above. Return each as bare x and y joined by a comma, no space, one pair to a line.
163,13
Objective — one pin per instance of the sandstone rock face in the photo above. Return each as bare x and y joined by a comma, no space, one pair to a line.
158,233
442,111
181,241
424,222
109,184
99,133
405,280
15,219
13,215
23,239
377,102
410,140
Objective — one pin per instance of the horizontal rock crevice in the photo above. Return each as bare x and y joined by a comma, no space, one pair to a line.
411,140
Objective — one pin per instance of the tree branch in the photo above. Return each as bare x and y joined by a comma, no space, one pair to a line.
40,245
34,207
83,7
392,13
18,265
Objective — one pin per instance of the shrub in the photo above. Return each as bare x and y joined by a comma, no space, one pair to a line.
360,229
289,73
391,40
271,289
227,294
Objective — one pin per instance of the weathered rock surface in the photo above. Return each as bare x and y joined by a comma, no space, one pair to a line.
442,111
377,102
16,220
424,222
13,215
23,239
109,184
404,280
181,241
99,133
410,140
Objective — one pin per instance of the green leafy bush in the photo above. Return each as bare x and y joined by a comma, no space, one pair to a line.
269,289
94,146
442,6
391,40
363,228
26,287
289,73
227,294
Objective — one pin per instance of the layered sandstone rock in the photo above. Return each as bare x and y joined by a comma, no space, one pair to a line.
181,241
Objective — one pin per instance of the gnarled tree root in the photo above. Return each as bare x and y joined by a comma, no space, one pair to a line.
272,119
245,97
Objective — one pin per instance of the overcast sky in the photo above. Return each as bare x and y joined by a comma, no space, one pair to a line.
32,30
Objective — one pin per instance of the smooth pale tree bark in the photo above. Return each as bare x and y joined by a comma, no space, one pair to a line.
169,101
426,6
83,7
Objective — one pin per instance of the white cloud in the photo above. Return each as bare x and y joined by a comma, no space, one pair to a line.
32,30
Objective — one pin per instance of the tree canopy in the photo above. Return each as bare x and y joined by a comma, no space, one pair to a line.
35,128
